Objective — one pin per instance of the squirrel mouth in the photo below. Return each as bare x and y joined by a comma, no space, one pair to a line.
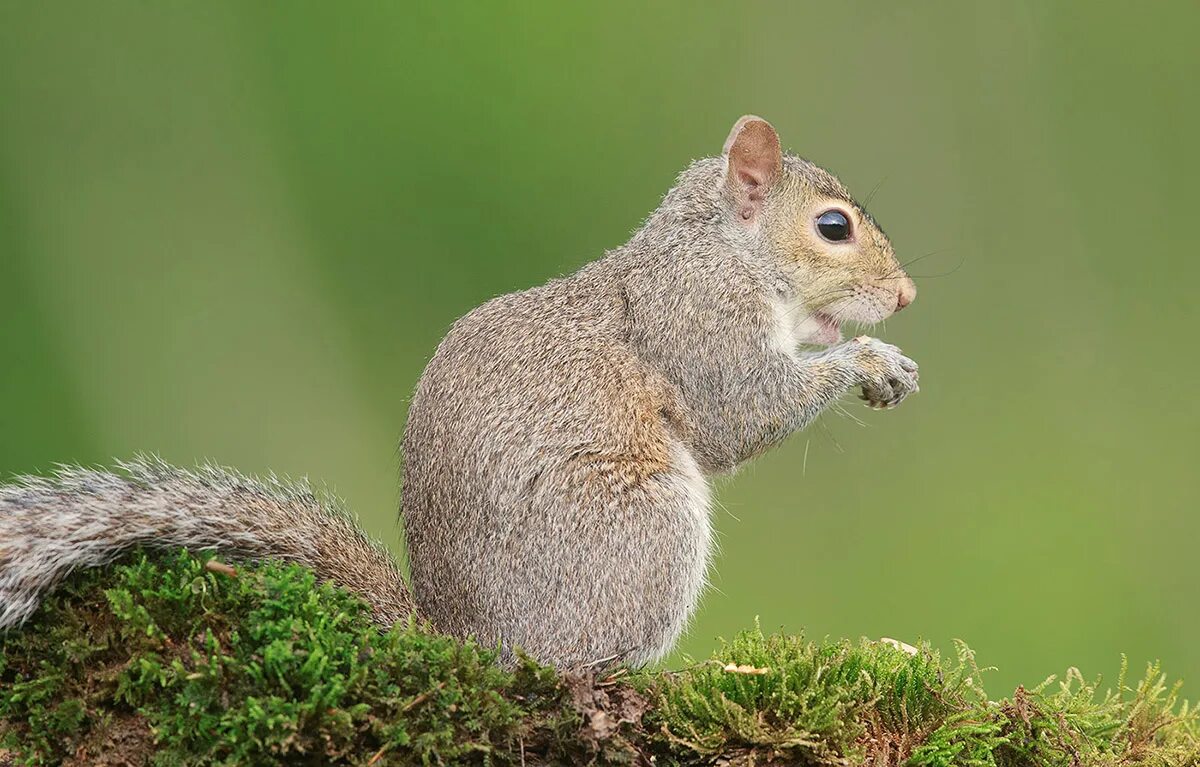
828,330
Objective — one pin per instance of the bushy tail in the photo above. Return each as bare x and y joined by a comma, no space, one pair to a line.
83,518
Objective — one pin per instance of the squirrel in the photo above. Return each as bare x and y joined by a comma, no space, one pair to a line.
561,441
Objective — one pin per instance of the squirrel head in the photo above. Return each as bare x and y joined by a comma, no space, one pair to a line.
838,263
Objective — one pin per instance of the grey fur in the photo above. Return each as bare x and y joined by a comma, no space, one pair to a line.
77,518
561,440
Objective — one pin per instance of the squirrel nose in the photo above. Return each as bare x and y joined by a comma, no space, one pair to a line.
908,292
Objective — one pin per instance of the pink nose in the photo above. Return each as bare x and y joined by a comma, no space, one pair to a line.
908,291
902,301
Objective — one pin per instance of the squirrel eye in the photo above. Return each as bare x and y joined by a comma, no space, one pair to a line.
833,225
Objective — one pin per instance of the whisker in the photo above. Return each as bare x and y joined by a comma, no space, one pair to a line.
897,273
843,411
725,509
958,266
874,189
825,430
838,292
909,263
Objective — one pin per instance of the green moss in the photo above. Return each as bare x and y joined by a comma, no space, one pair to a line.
158,660
265,667
821,700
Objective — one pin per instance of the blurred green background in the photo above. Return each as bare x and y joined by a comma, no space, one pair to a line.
238,230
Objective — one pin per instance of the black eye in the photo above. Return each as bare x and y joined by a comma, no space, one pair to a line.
833,225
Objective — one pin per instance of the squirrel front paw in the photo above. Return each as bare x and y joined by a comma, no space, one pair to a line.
887,376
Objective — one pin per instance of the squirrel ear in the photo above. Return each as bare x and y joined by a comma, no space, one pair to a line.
755,160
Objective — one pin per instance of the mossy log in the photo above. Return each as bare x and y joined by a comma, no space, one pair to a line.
176,660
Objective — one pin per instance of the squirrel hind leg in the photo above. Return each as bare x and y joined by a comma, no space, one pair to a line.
621,582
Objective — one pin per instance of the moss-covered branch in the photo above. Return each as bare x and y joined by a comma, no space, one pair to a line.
160,660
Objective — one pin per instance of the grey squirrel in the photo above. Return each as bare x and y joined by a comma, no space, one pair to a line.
560,442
